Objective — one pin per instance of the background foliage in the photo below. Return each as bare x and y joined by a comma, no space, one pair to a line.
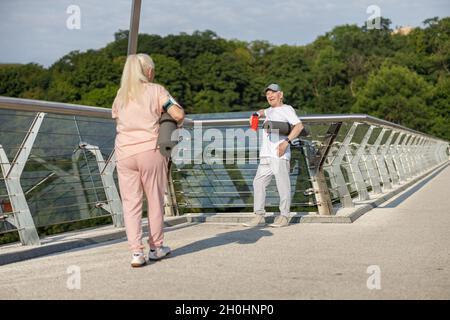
401,78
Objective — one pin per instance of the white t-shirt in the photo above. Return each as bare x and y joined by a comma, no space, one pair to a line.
270,141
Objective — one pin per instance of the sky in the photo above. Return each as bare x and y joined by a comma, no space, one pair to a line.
36,30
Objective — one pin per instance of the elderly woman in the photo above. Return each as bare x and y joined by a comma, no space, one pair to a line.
137,108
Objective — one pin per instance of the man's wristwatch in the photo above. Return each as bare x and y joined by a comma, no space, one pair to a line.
287,139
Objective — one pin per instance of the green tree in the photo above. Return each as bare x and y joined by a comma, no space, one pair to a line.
350,68
100,97
223,79
80,76
289,66
399,95
441,108
170,74
427,51
24,81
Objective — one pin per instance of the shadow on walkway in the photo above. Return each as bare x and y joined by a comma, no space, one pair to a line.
246,236
413,190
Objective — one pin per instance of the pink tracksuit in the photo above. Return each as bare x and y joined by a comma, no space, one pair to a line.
140,166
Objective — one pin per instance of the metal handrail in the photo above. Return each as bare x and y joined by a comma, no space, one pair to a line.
19,104
315,118
98,112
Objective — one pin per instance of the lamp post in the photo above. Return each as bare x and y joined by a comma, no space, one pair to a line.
134,26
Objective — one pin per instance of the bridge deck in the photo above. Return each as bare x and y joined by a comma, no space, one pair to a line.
407,237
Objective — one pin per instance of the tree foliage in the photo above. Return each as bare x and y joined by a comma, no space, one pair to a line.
400,78
399,95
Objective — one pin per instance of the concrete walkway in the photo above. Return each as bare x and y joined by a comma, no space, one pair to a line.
408,238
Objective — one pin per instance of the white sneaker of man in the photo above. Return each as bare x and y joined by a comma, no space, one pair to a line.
257,221
280,221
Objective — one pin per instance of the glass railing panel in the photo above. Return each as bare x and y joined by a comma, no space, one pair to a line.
14,127
228,185
61,181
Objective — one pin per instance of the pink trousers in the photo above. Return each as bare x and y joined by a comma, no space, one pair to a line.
143,172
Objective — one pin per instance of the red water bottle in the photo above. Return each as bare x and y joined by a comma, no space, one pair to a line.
255,121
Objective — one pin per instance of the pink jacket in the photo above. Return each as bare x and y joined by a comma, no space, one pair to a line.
137,125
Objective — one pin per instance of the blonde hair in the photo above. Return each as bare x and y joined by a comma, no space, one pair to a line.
134,76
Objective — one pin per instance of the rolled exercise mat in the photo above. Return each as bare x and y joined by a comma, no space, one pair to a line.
167,125
284,128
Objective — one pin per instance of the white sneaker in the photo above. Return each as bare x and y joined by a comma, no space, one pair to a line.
280,221
158,253
138,260
257,221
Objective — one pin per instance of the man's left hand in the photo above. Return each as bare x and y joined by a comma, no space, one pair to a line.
282,148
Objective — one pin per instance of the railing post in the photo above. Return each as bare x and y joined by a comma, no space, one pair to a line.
394,172
434,153
354,165
411,153
346,164
75,179
369,161
397,156
403,156
444,155
415,154
170,200
431,149
315,160
394,156
430,153
134,27
328,168
322,194
106,169
421,155
438,152
344,194
408,160
12,173
380,152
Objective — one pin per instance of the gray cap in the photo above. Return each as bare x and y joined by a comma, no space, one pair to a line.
274,87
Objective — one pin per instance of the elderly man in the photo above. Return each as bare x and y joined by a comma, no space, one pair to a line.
275,157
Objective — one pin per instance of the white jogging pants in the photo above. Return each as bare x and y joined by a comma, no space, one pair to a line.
267,168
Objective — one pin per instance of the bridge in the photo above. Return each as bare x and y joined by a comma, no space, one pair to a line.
370,212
